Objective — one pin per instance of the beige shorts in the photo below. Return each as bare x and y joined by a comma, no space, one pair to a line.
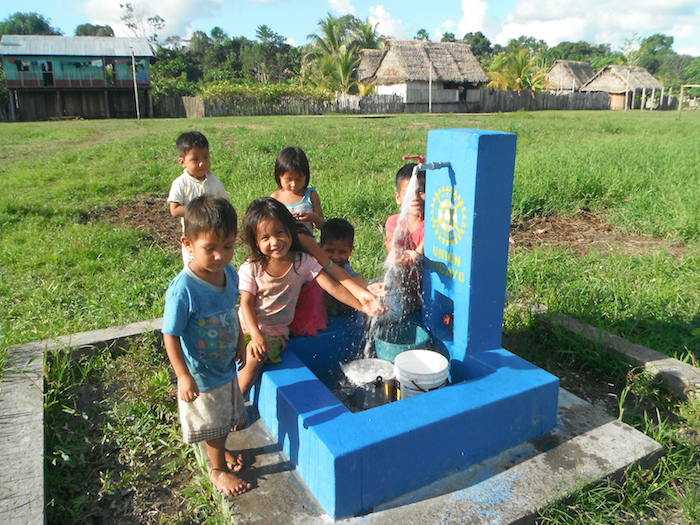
213,413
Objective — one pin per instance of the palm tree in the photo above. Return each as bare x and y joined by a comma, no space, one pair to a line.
332,34
366,35
345,64
517,71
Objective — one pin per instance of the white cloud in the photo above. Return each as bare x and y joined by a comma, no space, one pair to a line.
387,24
474,18
179,15
344,7
597,21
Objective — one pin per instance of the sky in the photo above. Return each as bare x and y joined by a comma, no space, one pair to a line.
595,21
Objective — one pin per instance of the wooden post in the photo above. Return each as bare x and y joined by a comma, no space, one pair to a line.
627,91
680,101
643,102
661,98
136,90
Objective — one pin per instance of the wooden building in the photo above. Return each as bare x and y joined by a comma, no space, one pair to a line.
625,84
569,75
54,77
440,76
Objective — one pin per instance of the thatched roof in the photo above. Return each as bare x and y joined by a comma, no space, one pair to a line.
620,79
408,60
568,74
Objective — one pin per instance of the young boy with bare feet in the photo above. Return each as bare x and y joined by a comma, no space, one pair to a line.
203,337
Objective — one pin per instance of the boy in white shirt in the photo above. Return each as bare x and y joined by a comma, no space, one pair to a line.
196,180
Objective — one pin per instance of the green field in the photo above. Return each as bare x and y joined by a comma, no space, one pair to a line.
66,267
61,271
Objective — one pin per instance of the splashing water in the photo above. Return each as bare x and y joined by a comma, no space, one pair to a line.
397,278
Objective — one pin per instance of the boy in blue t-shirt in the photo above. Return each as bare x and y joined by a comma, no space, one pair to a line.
203,337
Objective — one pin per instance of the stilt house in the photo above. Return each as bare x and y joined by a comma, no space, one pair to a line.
54,77
569,75
443,76
625,84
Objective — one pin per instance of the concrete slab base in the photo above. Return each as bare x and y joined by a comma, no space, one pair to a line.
587,445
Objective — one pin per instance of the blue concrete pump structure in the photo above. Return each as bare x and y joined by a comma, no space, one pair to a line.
353,462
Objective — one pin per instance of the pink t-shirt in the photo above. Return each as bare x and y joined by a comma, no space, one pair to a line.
411,241
276,297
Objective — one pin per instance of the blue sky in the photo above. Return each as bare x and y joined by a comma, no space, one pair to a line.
554,21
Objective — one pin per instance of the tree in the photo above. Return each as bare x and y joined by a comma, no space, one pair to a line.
517,71
481,46
422,34
448,37
654,50
91,30
534,46
333,55
269,59
27,24
366,36
614,58
141,26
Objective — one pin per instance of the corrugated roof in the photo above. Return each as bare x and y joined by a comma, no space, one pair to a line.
404,60
93,46
619,79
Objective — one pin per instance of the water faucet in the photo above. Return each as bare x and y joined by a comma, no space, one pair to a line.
422,166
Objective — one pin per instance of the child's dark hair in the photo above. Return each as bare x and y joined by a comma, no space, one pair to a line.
405,174
267,208
190,140
208,213
292,159
337,230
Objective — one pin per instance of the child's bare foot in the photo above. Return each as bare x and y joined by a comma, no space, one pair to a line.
227,483
233,460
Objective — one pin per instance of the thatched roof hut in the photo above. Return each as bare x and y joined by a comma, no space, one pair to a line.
569,75
622,79
404,61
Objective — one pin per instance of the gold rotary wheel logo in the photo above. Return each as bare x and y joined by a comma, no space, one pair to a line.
448,216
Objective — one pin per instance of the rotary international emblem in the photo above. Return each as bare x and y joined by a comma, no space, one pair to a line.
448,216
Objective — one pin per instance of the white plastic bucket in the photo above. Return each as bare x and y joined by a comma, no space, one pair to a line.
419,371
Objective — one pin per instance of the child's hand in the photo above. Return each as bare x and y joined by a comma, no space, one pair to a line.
409,258
258,348
309,216
378,289
302,217
371,305
187,388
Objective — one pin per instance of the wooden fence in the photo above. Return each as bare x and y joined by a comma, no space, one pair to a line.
490,102
508,101
191,107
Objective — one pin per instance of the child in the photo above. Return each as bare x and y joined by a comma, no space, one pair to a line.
196,180
203,337
405,233
406,246
292,176
270,281
337,241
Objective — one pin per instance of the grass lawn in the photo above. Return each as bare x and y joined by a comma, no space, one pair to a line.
66,264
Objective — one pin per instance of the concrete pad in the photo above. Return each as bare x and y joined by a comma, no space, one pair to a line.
586,446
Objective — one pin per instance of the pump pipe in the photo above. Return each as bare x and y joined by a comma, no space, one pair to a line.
423,166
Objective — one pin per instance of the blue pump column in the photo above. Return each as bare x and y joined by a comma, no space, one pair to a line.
467,229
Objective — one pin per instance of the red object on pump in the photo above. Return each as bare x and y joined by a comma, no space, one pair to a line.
419,158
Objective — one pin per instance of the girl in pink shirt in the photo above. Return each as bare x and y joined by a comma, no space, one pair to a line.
270,280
